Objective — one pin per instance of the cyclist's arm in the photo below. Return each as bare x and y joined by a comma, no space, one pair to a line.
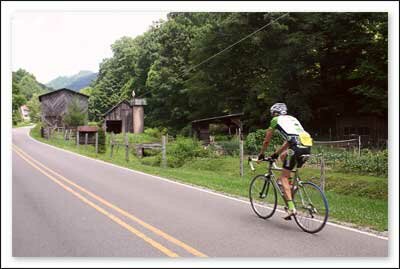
268,134
267,139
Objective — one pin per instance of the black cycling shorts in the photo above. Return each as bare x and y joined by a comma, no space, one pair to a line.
296,158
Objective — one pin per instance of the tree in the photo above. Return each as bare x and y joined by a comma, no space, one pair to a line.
75,115
34,108
320,64
87,90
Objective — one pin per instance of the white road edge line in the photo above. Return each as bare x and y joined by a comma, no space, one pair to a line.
196,188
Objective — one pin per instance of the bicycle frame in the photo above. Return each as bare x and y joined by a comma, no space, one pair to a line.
273,167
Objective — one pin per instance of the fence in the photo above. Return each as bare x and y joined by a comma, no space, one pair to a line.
138,147
68,134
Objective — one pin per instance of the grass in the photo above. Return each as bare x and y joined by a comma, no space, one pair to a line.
357,199
22,124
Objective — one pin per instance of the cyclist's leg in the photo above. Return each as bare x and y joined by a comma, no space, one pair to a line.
288,165
285,183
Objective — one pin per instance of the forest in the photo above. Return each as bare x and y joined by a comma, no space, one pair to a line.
320,64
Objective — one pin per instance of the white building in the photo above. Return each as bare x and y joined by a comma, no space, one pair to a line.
24,112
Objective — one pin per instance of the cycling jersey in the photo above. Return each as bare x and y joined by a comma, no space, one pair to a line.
291,130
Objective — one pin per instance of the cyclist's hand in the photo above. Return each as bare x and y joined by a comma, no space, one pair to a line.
261,157
274,156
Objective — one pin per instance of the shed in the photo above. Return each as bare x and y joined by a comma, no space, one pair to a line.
125,116
201,127
54,105
89,132
372,129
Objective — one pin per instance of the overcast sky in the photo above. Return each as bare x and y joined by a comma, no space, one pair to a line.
50,44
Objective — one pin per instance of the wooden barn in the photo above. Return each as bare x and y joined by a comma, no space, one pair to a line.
201,128
126,116
54,105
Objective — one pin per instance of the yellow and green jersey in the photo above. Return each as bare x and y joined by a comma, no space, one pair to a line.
291,130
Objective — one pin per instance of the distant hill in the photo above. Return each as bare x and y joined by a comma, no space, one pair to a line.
75,82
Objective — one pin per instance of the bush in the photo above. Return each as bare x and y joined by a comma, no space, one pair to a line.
76,115
184,149
153,132
102,140
372,163
254,141
230,147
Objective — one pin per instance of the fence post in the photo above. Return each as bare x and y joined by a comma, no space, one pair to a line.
77,138
359,146
322,177
97,142
86,138
241,152
112,144
126,147
164,155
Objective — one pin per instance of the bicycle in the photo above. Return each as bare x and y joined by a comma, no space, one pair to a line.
310,202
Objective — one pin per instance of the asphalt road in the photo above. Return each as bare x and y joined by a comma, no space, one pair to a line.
64,204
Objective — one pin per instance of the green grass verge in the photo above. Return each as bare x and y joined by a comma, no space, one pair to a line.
22,124
357,199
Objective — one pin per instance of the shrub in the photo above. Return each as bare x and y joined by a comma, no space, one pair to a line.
254,141
76,115
102,140
373,163
153,132
184,149
230,147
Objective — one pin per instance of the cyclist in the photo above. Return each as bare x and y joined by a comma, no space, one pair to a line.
294,151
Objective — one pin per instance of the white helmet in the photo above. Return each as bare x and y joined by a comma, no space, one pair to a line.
279,108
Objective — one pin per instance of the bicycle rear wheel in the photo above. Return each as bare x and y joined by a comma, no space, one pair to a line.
263,198
311,206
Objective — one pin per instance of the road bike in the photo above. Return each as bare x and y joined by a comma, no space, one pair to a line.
310,201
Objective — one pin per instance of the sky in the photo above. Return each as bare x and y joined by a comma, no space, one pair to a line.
51,44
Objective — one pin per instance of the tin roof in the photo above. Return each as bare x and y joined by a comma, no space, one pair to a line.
220,117
63,89
87,129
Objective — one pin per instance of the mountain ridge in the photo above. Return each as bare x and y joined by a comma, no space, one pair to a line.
75,82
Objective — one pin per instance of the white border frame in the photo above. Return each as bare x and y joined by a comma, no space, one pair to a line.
9,8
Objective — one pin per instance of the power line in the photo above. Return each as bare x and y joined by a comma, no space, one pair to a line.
230,46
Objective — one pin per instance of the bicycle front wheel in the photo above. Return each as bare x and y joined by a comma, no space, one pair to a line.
311,206
263,198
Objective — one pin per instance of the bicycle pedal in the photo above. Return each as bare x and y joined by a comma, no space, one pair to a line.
287,218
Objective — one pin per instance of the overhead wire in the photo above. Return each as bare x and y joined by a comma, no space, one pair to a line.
225,49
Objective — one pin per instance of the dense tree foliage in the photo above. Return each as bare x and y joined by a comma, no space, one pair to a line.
25,90
320,64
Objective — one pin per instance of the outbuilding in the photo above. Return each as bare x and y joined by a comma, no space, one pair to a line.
54,105
125,116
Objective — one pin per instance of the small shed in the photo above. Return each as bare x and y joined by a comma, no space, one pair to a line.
201,127
125,117
54,105
372,129
87,134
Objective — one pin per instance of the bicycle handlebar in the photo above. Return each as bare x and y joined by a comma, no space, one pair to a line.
268,159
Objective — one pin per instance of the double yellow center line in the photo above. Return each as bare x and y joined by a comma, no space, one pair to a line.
51,175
